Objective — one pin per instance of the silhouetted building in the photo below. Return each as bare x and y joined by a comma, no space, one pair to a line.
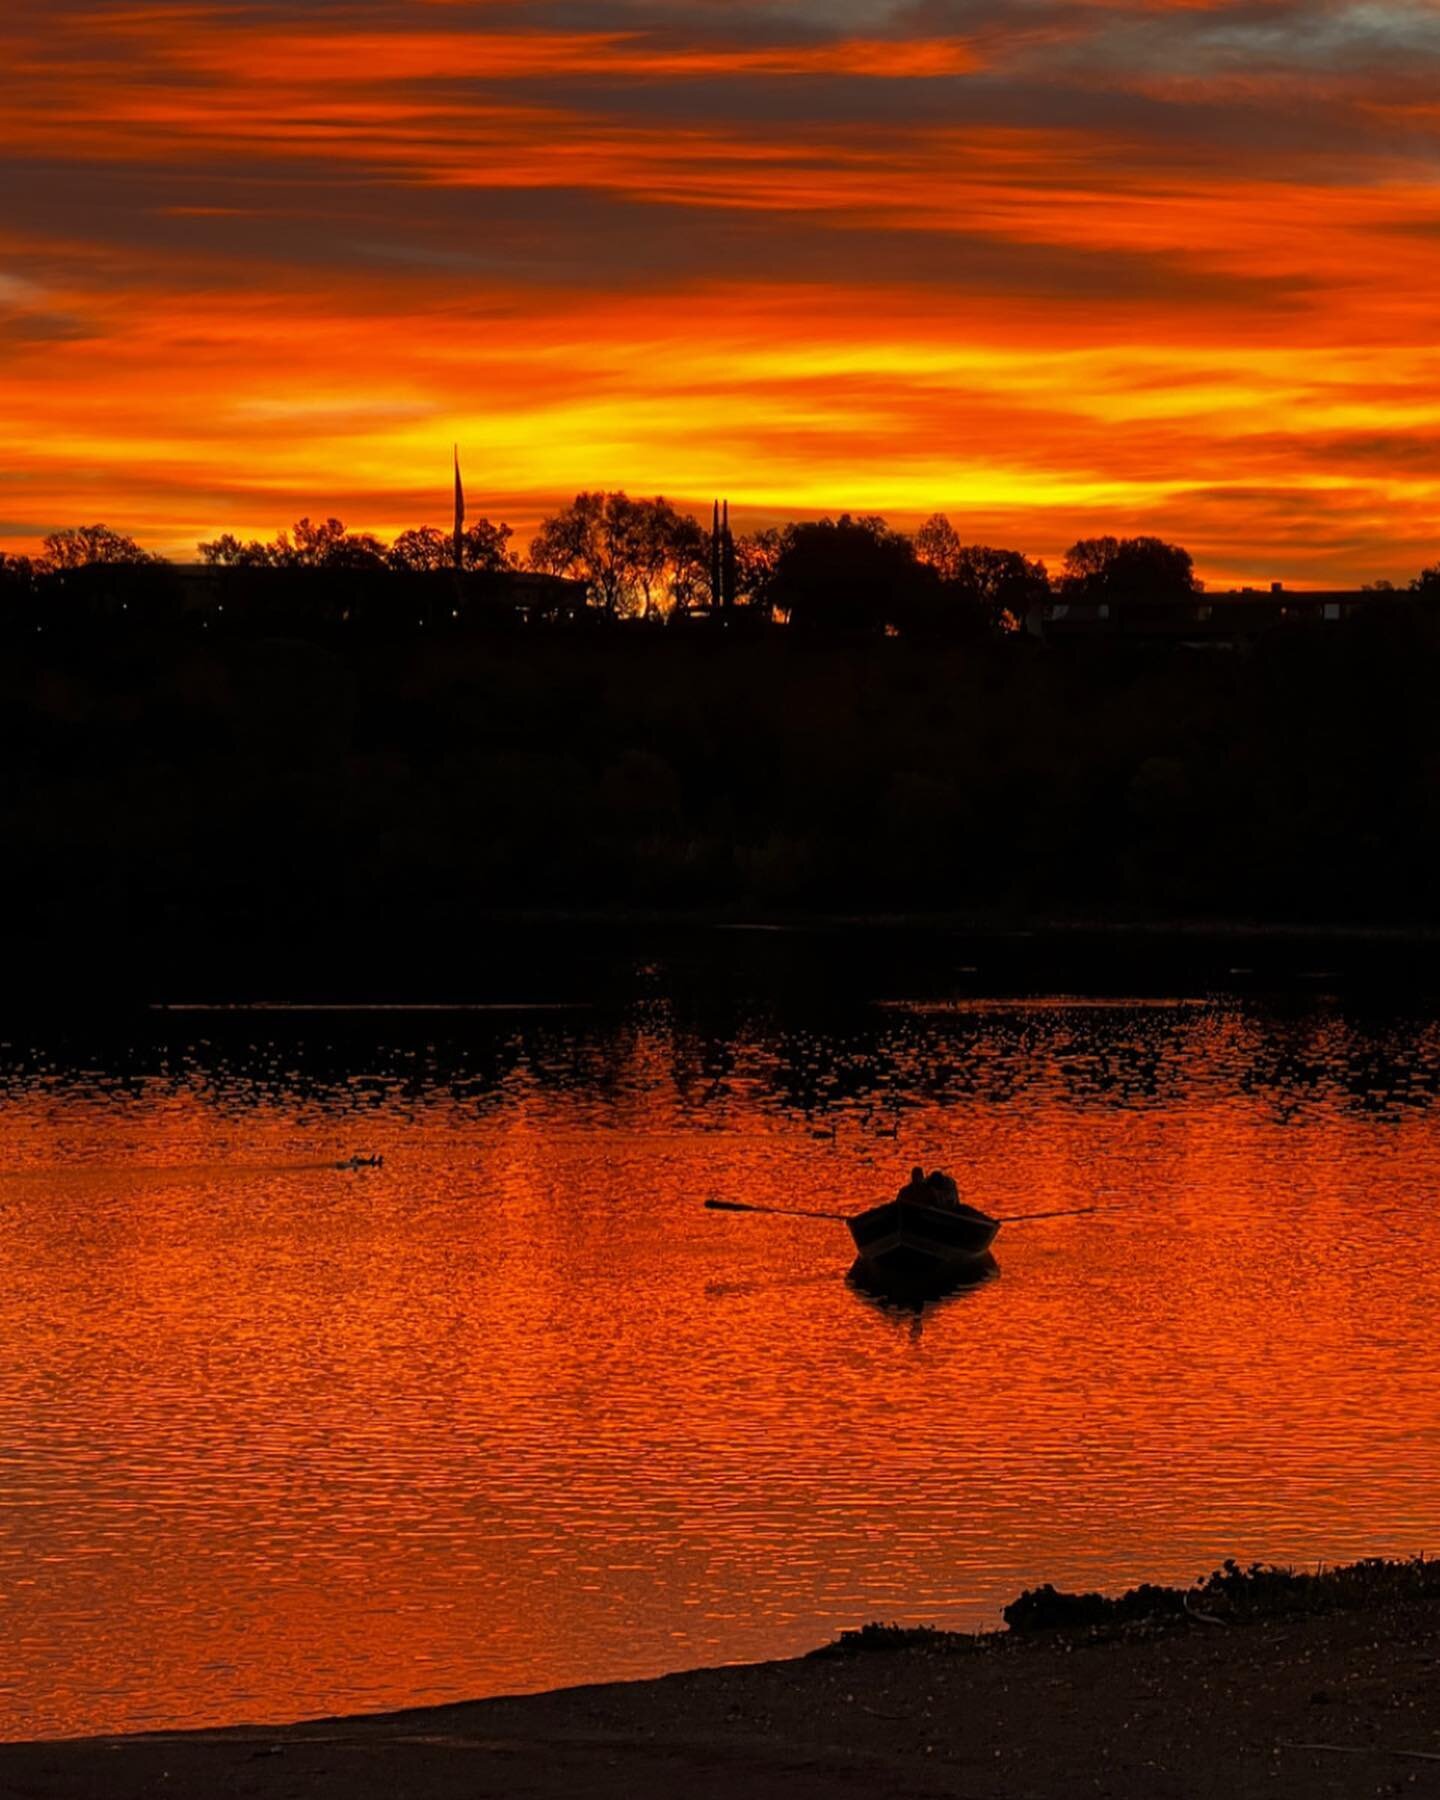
381,596
200,597
1224,619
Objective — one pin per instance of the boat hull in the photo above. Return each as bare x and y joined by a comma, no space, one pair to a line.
907,1245
933,1284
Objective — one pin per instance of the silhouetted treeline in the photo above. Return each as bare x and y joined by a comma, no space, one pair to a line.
620,558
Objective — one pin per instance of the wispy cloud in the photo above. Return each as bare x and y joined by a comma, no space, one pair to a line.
1051,264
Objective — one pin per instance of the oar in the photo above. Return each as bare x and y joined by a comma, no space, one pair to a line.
1069,1212
785,1212
799,1212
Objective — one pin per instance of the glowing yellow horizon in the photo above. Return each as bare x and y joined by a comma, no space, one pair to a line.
256,269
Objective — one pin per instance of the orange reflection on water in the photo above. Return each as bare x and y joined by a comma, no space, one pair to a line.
514,1410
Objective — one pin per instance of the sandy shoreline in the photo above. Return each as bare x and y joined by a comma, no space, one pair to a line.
1194,1709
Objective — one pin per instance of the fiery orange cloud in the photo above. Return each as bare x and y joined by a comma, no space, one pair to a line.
1052,280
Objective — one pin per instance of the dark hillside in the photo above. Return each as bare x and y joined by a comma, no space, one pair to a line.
163,796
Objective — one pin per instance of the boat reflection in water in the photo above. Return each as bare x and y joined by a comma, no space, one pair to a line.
919,1291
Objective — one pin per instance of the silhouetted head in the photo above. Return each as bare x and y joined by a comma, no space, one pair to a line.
917,1175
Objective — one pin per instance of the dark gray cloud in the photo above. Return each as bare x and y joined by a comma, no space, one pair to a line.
298,216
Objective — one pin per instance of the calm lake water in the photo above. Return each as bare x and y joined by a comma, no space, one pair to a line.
515,1411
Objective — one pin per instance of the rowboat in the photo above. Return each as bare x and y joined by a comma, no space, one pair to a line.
910,1248
904,1243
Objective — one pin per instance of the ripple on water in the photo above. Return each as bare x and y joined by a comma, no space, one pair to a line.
514,1410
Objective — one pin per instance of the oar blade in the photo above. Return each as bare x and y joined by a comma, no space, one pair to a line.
779,1212
1068,1212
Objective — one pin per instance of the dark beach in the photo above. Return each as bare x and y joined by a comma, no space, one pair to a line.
1295,1704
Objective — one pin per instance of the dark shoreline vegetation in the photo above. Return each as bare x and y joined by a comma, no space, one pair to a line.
287,799
1230,1595
237,805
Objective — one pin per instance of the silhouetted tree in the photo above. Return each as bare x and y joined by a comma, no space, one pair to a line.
638,557
587,543
17,590
89,544
1139,568
685,570
485,547
756,556
849,574
425,547
229,552
938,543
328,545
669,554
1427,583
996,587
17,576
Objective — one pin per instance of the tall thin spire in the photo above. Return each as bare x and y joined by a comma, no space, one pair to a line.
717,564
459,515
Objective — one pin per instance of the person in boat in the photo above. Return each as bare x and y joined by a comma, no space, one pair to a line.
934,1189
939,1190
943,1190
946,1195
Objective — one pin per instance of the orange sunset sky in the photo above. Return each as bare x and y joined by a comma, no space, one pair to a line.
1052,266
